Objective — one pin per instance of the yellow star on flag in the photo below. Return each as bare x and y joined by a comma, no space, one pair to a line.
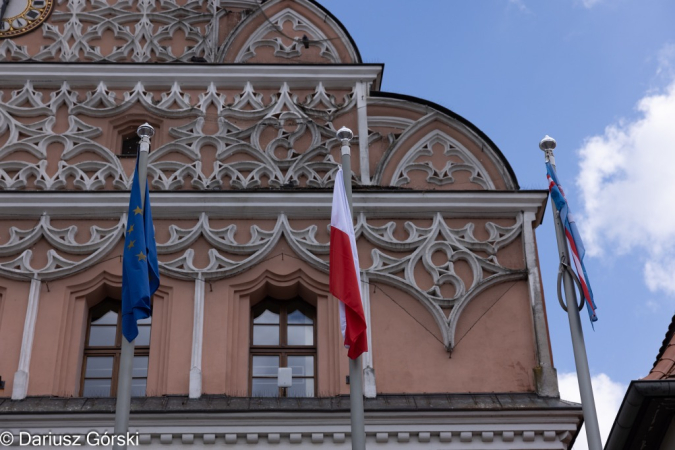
131,228
131,244
141,256
138,210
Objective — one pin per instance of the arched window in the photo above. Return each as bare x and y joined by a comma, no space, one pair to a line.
102,351
283,334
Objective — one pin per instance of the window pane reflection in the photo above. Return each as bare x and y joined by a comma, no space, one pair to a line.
302,387
102,336
96,388
99,367
138,387
300,335
109,318
143,337
266,335
264,387
301,366
267,316
265,366
298,317
140,367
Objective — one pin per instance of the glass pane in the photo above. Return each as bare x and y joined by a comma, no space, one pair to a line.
143,337
99,367
264,387
109,318
102,335
265,334
300,335
298,317
265,366
146,321
302,387
267,316
96,388
302,366
138,387
140,367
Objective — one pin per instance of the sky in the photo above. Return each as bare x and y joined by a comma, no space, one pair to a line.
599,77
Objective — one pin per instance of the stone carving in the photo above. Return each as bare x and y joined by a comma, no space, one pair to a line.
415,252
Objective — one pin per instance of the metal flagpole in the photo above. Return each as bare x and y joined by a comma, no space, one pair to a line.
345,135
123,405
547,145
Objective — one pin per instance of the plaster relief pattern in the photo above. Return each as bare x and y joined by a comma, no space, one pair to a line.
273,164
144,29
268,36
414,253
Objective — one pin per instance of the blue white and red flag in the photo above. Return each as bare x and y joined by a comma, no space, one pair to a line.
573,237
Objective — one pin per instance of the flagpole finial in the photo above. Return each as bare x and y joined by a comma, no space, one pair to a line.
345,135
547,145
145,132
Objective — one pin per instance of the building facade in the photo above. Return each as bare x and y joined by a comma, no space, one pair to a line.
245,97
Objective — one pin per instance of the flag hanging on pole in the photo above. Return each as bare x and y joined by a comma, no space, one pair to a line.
573,237
140,271
344,273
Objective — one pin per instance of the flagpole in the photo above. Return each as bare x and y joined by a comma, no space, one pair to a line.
547,145
345,135
124,377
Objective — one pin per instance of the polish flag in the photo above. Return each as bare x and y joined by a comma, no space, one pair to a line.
344,273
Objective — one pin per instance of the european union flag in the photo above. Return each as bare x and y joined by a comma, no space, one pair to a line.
140,271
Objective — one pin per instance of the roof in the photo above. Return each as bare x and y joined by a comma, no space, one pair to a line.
664,366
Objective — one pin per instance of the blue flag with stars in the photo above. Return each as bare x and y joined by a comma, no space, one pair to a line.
140,271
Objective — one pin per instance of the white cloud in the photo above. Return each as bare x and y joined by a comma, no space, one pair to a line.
520,4
590,3
628,191
608,396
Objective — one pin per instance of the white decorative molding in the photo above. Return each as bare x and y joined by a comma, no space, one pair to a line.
500,430
268,36
361,93
270,163
144,29
547,379
267,204
369,386
20,386
451,148
413,254
164,75
195,390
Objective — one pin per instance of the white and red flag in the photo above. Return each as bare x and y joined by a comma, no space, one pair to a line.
344,273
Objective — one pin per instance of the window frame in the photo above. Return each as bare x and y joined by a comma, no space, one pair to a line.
115,350
283,350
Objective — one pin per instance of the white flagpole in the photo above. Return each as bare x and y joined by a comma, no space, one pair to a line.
124,376
547,145
345,135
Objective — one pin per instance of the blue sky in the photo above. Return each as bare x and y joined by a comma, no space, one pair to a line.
598,76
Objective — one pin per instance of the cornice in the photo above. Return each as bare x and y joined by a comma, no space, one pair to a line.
261,204
189,75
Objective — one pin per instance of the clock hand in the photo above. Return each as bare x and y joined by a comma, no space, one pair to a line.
5,3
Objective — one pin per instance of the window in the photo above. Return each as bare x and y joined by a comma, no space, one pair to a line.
103,346
130,145
283,334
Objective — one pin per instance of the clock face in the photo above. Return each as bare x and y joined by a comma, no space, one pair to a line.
22,16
